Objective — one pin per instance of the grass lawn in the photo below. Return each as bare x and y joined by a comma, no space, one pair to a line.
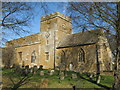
37,81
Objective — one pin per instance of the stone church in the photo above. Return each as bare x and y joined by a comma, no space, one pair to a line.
56,46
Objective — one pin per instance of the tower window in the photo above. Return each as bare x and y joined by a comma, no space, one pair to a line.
33,57
81,55
63,26
47,55
47,42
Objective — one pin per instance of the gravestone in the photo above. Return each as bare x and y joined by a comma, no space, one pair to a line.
91,76
50,72
31,70
23,67
98,80
62,76
57,68
35,69
71,67
41,73
74,76
13,66
26,69
17,68
41,67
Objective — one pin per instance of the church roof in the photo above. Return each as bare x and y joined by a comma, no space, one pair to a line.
80,39
24,40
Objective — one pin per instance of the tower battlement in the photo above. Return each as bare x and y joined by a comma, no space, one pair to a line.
56,14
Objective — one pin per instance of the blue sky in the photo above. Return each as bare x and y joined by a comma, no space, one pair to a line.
35,26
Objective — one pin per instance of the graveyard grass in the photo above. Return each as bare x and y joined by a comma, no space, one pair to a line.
53,81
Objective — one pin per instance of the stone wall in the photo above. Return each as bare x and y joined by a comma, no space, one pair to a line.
70,55
26,55
53,28
104,54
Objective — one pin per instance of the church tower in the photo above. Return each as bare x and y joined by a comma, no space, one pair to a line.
53,28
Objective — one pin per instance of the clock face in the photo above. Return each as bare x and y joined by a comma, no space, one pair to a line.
47,34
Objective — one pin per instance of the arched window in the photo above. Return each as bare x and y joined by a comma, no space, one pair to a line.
33,57
81,55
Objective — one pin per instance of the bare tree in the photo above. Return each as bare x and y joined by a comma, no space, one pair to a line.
22,81
8,56
104,15
17,17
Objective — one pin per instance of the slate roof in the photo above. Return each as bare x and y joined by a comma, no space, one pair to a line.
80,39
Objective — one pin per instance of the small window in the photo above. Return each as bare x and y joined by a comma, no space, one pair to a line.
20,55
47,42
47,55
33,57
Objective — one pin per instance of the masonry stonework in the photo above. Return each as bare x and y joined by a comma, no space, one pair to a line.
56,46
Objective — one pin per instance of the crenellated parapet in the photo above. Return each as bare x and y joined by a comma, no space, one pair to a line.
56,14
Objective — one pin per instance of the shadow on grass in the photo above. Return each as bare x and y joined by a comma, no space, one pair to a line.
94,82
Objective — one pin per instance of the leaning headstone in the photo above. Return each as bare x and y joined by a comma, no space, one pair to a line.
57,68
17,68
31,70
50,72
41,67
41,73
74,76
23,67
35,69
62,76
91,76
13,66
98,79
26,69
